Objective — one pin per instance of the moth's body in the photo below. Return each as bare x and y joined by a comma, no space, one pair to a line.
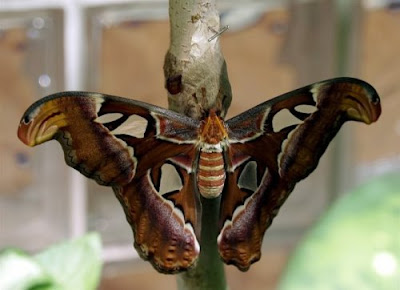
211,166
154,159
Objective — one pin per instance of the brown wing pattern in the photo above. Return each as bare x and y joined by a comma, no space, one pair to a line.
130,145
147,155
164,226
290,135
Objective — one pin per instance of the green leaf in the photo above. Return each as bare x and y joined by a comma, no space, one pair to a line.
75,264
18,271
356,245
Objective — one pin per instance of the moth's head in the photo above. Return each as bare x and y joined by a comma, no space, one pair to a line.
212,113
212,129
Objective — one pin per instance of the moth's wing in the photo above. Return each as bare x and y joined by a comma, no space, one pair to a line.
275,145
165,216
130,146
106,138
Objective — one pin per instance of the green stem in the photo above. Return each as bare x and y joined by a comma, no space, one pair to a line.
209,271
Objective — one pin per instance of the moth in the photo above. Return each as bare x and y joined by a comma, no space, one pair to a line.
160,163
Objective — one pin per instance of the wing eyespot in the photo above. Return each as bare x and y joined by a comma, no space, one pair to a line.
26,120
375,99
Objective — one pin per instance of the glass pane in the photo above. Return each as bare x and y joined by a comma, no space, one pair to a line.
33,188
378,149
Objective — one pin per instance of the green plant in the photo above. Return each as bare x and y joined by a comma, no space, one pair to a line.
74,264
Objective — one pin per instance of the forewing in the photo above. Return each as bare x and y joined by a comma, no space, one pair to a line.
144,152
275,145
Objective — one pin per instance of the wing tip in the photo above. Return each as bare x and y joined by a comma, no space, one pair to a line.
365,99
23,134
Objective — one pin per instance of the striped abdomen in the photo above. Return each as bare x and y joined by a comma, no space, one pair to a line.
210,174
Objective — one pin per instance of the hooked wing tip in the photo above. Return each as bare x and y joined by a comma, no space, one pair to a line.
358,98
34,133
366,102
373,105
23,134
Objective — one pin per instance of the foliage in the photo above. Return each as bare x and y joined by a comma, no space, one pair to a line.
356,245
70,265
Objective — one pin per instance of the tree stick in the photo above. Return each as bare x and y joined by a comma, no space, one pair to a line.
197,81
194,68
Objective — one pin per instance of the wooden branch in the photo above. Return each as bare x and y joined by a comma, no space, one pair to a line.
197,81
194,69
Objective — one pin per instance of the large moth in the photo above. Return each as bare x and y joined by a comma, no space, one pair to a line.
159,162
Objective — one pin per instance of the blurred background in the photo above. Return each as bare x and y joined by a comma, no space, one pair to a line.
118,48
